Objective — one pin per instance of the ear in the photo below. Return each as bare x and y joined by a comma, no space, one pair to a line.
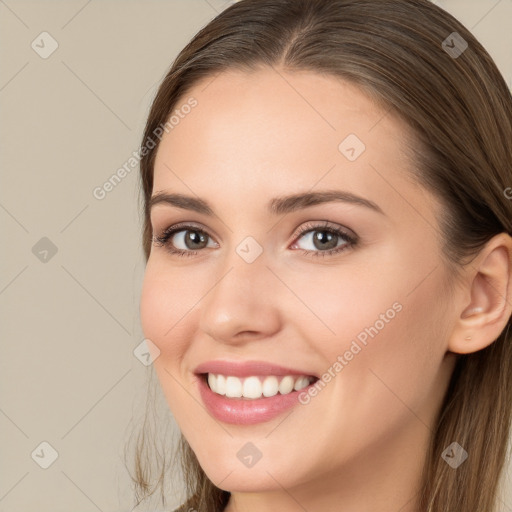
485,314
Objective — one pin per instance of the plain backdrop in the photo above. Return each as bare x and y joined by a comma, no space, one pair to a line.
72,264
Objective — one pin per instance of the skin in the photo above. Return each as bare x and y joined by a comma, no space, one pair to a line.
361,442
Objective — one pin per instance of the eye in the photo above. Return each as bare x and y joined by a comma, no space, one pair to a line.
323,239
189,237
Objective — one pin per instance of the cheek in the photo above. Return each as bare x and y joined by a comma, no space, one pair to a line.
166,307
397,370
394,327
167,315
339,305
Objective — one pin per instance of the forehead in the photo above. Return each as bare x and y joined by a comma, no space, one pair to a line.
273,132
279,110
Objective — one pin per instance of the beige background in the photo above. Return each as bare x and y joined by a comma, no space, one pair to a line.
69,325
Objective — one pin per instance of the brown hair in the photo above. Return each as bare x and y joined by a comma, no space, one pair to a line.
460,111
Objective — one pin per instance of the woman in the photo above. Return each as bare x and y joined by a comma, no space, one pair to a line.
328,292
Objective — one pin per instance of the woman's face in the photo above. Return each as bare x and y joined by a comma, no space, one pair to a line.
262,284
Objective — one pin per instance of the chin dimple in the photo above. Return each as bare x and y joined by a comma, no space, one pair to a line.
254,387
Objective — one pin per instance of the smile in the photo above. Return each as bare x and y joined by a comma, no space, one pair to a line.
254,387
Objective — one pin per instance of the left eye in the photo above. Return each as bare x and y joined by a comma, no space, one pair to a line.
323,239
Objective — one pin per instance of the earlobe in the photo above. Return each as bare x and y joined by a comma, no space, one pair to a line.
467,313
483,319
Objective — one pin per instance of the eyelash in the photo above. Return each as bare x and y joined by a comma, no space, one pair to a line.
162,240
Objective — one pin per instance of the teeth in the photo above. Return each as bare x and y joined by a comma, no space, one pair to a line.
270,386
251,387
301,382
286,385
233,387
254,387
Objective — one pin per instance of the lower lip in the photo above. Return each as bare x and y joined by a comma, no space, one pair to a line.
239,411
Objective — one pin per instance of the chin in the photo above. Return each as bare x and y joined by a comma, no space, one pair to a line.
230,474
246,481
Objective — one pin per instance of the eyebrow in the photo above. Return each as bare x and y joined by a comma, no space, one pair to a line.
276,206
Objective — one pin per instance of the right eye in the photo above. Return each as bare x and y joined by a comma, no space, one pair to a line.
191,239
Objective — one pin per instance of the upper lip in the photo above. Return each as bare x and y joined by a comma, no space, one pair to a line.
247,368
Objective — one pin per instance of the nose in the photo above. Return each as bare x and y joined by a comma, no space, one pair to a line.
243,302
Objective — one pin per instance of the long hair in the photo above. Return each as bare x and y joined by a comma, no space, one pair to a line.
459,108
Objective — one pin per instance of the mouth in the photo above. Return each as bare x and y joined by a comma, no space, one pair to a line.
254,395
255,387
249,392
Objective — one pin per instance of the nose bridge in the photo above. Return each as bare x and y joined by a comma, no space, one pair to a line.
242,296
